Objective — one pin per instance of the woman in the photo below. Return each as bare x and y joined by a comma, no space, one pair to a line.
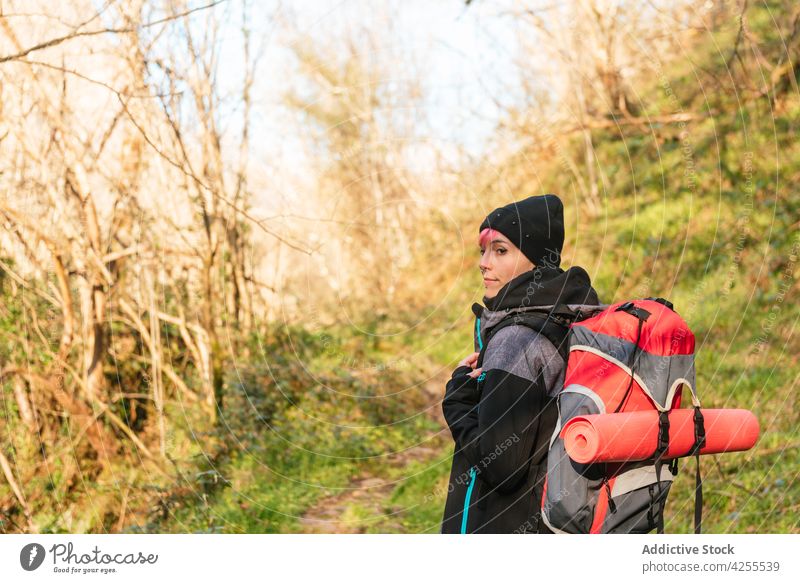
501,411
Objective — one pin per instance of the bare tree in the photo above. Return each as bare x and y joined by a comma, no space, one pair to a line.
89,140
364,117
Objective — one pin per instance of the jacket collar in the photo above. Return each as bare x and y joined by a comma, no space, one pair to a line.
540,289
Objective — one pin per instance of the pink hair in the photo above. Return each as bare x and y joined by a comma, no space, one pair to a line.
487,235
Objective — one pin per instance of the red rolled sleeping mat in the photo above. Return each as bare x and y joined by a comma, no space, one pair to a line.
627,437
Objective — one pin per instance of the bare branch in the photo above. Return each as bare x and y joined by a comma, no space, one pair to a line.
80,34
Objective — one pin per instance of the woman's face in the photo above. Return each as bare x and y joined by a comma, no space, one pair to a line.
501,261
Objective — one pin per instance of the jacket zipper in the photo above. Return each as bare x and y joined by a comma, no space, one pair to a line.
468,496
467,499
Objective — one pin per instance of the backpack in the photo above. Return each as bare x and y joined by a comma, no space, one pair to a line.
632,356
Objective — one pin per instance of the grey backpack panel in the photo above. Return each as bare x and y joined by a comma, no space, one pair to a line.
572,488
636,496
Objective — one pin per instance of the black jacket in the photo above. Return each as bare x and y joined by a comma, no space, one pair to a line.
502,421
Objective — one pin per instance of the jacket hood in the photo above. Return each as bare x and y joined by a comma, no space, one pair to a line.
540,289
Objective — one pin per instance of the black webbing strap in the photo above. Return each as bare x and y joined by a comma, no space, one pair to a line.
663,302
612,506
699,442
698,497
661,449
633,363
634,310
655,512
663,435
641,315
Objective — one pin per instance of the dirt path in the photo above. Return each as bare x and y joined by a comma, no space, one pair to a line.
368,491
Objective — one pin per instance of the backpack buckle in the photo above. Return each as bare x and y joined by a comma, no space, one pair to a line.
663,436
699,432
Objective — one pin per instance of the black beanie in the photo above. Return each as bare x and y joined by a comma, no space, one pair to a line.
535,225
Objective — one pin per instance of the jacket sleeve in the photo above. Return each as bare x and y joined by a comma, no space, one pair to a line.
460,407
495,427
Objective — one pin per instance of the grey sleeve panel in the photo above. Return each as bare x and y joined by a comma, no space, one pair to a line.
523,352
541,354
